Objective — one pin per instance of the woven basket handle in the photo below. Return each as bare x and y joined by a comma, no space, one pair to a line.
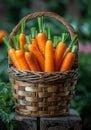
47,14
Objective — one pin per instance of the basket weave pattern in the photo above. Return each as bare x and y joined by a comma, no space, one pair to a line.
44,99
43,94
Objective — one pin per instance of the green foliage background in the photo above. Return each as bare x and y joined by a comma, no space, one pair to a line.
81,100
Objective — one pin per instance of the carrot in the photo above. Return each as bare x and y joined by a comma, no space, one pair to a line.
11,53
22,36
41,37
73,41
33,36
20,55
21,59
38,55
68,60
69,48
49,57
59,52
31,60
3,33
29,43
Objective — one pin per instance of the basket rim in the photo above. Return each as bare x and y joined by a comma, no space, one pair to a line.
42,77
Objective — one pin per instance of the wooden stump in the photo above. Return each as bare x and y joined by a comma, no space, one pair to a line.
72,121
26,123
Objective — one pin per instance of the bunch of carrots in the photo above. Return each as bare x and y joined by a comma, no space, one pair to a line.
38,52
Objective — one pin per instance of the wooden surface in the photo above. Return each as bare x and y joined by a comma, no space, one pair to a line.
72,121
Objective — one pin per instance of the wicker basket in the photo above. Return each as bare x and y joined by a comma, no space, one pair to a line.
40,94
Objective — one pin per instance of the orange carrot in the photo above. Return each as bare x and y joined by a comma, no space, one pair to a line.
3,33
60,49
22,36
20,55
33,36
33,46
11,53
38,55
73,41
21,59
41,37
68,60
49,57
69,48
31,60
